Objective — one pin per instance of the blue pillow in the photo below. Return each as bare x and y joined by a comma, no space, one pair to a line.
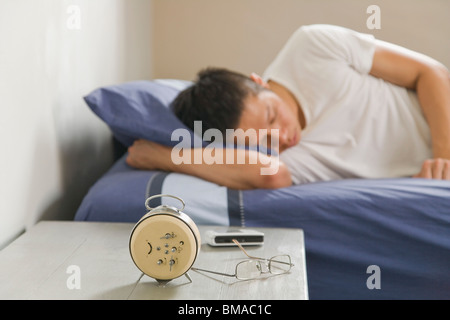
139,110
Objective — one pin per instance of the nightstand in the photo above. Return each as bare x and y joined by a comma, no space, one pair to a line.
91,260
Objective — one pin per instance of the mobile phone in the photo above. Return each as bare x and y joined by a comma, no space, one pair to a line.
224,237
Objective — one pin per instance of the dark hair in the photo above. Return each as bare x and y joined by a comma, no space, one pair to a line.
216,98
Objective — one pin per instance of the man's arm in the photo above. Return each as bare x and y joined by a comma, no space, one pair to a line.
148,155
431,81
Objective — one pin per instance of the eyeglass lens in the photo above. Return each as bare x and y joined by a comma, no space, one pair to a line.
251,269
280,264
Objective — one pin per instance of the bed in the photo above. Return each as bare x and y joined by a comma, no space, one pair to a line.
401,226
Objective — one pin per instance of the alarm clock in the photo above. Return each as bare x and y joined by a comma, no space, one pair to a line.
165,242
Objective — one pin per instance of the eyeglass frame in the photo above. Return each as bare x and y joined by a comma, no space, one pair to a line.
252,258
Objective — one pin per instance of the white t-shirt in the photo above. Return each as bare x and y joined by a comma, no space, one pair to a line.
357,125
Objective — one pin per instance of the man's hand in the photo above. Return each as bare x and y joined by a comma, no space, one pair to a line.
147,155
435,169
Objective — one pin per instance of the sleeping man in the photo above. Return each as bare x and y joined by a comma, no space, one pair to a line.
343,105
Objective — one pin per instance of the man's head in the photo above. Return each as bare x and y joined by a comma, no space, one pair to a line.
216,98
224,99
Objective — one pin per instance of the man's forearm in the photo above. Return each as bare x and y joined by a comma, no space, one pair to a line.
247,174
238,169
433,90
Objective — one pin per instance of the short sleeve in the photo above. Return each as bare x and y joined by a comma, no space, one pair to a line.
341,44
316,59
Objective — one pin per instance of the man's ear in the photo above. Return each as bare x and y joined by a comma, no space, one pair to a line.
256,78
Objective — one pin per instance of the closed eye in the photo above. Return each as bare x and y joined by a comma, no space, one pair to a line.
271,114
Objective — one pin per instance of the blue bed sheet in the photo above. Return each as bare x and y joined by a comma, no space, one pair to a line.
401,226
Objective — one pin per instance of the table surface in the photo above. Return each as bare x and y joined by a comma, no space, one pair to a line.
48,260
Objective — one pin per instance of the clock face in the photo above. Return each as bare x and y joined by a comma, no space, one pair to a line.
164,246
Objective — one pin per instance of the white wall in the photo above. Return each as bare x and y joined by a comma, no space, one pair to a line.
245,35
52,53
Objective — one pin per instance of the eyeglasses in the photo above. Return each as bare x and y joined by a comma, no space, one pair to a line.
255,267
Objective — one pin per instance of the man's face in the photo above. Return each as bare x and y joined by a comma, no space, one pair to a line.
268,111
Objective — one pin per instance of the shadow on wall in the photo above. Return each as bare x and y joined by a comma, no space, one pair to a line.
78,173
83,150
78,162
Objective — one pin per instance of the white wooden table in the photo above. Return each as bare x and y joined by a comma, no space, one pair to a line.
90,260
